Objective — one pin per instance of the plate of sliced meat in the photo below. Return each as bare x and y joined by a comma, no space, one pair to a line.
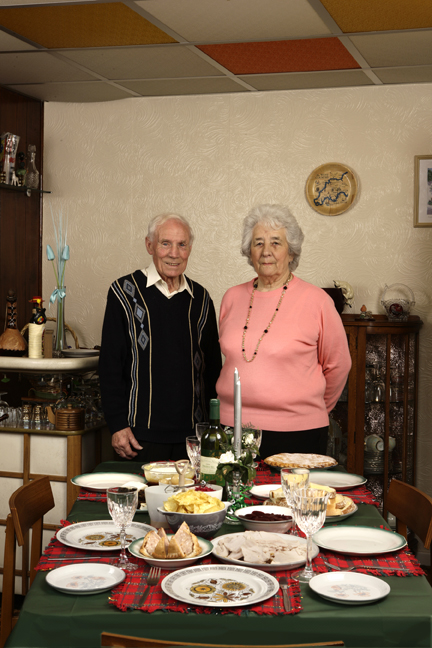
262,550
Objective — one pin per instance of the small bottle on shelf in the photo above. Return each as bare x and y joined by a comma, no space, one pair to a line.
12,342
212,445
36,328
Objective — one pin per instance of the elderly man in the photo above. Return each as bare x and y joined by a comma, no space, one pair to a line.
160,355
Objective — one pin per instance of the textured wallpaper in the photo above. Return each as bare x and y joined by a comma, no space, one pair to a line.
112,166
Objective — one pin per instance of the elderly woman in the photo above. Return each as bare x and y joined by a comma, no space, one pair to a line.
286,339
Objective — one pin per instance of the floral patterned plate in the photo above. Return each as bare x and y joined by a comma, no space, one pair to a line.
220,585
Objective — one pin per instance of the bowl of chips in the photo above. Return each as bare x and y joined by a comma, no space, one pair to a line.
203,513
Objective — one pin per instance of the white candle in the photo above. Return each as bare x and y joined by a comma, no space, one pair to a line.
237,414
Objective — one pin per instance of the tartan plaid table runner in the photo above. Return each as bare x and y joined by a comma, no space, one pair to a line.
126,596
91,496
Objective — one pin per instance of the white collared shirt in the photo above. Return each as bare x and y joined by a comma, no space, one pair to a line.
154,279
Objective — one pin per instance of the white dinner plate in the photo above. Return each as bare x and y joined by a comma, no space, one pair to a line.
263,492
103,480
262,566
349,588
337,480
88,578
358,540
220,585
100,535
331,519
206,547
79,353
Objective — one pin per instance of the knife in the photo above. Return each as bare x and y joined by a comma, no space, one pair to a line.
283,582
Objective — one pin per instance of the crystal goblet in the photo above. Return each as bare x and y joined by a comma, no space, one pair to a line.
122,507
293,479
309,510
200,428
193,447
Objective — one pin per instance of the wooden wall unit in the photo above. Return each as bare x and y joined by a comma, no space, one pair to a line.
381,399
21,215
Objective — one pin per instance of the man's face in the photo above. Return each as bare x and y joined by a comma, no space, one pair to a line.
170,249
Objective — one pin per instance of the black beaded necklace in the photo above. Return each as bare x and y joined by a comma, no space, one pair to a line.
266,330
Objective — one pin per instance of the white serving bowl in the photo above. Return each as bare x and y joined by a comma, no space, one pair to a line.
216,490
271,527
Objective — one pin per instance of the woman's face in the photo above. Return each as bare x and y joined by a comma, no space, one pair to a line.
270,253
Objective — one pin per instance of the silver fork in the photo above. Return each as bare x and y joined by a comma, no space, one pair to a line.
152,580
338,568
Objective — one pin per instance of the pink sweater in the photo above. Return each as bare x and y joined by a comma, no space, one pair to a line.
302,363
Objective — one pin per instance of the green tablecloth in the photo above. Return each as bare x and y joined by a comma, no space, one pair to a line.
51,619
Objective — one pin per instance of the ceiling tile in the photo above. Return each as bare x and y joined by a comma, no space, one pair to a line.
72,92
83,25
236,20
9,43
299,81
379,15
403,48
144,63
420,74
37,67
282,56
161,87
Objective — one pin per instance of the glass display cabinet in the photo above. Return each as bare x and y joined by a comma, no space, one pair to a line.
375,420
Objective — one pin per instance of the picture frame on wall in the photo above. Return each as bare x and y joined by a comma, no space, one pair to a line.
423,191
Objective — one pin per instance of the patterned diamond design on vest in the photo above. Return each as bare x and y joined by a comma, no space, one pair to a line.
197,388
129,288
139,313
197,361
143,339
198,414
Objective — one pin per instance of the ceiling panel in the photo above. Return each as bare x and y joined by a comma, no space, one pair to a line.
395,49
82,25
282,56
335,79
102,50
379,15
165,87
143,63
36,67
234,20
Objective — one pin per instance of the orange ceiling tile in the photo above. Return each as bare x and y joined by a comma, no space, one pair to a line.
379,15
282,56
98,25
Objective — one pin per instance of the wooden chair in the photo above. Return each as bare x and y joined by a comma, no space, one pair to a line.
123,641
412,509
28,505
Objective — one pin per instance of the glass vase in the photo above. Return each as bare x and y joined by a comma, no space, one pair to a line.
235,492
60,340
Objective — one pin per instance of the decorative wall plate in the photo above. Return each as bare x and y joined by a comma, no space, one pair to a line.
331,189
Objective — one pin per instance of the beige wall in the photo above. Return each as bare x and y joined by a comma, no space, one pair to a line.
111,166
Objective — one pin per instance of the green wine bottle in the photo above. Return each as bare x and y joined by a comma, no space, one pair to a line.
212,442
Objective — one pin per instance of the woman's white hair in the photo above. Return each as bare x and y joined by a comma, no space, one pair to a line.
276,217
160,219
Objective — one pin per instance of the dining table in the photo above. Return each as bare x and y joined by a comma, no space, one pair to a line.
50,618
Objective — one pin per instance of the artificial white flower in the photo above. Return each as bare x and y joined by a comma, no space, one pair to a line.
227,457
248,439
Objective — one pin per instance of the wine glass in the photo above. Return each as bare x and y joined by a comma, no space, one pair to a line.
193,447
122,507
309,510
293,479
200,428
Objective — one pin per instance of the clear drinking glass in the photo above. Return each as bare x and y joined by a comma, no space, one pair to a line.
200,428
193,447
122,507
309,510
292,479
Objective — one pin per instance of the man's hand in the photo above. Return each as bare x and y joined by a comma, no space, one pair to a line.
124,443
